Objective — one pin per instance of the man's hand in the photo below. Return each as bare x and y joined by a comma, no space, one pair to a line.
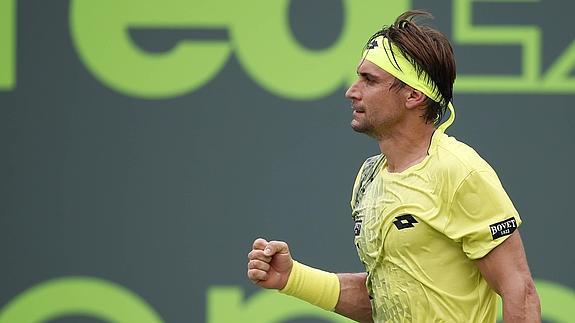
269,264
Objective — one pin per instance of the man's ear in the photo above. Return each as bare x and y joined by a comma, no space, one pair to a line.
415,99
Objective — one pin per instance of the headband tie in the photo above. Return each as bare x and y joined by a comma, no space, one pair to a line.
389,57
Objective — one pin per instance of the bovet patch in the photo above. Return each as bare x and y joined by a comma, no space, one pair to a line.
503,228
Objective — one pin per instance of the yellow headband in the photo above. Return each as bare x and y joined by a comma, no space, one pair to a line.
388,57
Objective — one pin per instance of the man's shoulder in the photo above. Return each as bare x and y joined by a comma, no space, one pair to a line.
457,157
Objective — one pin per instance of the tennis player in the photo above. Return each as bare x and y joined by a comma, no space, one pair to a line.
433,226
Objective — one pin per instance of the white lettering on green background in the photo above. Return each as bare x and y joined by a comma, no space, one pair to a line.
109,302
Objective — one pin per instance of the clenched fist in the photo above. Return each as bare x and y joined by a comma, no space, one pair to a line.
269,264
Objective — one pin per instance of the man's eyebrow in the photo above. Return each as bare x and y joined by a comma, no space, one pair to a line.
367,75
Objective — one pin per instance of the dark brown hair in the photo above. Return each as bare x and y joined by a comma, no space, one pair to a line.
428,50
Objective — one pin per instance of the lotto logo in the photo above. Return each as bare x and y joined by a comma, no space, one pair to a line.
404,221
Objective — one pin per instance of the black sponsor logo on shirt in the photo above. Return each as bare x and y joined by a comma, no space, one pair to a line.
404,221
357,227
503,228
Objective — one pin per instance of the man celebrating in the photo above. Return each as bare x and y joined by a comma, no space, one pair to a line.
433,226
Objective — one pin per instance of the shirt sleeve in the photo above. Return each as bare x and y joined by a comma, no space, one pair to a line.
481,215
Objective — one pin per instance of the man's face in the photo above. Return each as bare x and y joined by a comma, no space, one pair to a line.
376,106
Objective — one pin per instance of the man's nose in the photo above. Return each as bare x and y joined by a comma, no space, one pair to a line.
352,93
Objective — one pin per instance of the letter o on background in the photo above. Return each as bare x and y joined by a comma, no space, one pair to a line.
86,296
270,53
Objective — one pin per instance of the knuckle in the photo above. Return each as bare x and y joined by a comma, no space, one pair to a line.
258,265
258,255
259,243
255,274
280,243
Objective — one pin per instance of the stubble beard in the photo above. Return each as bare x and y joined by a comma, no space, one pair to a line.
362,127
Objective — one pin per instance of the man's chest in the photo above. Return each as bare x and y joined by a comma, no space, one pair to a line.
396,216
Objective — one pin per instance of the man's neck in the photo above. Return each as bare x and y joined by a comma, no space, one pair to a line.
406,146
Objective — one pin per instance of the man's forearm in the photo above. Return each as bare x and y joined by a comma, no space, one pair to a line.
521,305
353,297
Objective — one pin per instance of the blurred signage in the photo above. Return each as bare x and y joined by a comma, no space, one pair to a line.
104,300
260,37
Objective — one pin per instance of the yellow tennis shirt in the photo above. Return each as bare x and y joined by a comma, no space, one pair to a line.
417,233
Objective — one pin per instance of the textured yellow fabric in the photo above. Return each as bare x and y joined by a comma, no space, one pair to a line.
417,233
312,285
389,58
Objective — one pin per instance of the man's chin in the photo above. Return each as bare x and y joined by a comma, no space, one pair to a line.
357,127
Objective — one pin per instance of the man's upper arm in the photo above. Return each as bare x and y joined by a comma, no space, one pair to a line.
505,267
481,214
